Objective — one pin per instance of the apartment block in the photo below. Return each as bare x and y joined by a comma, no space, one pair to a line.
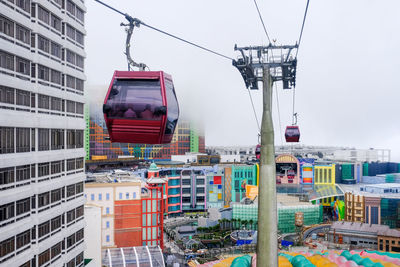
41,132
355,207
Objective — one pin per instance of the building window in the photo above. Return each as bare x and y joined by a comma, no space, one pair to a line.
23,139
7,211
57,166
120,195
44,139
55,50
55,77
70,240
44,199
134,195
23,239
7,60
127,195
107,224
71,164
70,139
79,211
56,250
107,210
7,176
107,238
107,196
56,223
43,169
100,196
22,34
70,190
43,44
6,140
6,26
7,246
23,66
7,94
57,139
55,22
79,235
44,229
43,73
92,197
23,206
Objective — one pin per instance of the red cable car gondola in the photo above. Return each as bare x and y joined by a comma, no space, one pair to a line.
292,134
258,151
141,107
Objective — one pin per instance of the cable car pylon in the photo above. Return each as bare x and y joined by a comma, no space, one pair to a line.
254,70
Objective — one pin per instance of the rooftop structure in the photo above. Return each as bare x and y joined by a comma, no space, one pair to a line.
133,256
322,153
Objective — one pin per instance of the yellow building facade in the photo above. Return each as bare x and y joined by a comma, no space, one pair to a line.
324,174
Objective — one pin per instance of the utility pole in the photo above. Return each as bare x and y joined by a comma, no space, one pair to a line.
254,70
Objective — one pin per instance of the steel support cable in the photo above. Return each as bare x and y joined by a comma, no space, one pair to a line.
279,114
254,110
294,116
262,21
294,100
139,22
302,27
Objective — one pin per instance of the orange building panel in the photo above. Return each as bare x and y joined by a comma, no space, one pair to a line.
128,238
127,223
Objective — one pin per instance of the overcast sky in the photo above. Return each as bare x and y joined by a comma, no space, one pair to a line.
347,91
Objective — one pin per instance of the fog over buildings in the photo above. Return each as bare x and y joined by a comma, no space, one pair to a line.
344,95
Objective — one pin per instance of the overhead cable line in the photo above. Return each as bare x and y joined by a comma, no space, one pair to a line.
279,113
138,22
302,27
254,110
262,21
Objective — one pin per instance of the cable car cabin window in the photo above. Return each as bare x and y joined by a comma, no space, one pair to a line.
173,109
135,99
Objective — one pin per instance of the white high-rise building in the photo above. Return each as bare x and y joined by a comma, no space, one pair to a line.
41,132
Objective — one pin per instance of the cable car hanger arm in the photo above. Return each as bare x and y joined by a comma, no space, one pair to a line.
138,22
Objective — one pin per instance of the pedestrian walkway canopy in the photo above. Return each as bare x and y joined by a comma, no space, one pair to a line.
311,192
133,257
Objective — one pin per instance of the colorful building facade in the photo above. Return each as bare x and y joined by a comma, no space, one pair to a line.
193,190
132,212
241,176
324,174
287,169
186,139
215,190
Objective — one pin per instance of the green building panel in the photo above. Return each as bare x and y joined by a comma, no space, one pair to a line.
286,215
194,140
242,175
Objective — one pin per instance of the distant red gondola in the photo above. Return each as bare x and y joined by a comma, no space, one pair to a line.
141,107
292,134
258,151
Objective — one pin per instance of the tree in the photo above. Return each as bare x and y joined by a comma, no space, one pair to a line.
251,222
244,223
233,223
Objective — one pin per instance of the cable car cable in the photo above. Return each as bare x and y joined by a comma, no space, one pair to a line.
139,22
279,113
254,110
302,27
294,100
262,21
